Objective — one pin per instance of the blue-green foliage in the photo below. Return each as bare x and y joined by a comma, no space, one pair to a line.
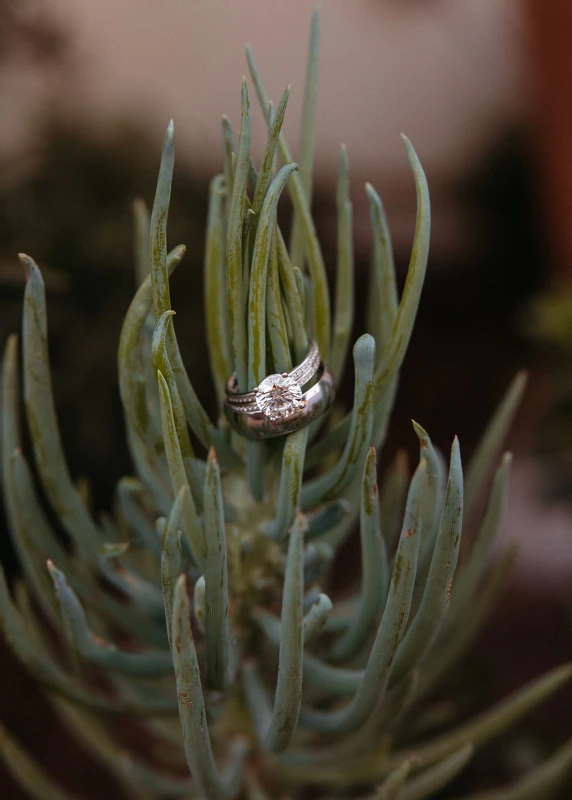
201,598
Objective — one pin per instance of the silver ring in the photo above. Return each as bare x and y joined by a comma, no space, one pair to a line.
278,405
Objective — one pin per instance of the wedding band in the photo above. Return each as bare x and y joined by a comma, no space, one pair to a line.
278,405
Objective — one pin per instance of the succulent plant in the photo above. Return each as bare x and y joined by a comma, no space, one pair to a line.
196,610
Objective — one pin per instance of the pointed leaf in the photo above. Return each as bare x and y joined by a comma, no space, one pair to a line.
158,232
178,475
42,421
425,626
392,787
375,570
320,295
267,166
142,226
215,299
234,256
490,723
472,571
228,151
435,778
275,727
382,297
344,307
483,460
434,492
290,485
371,690
307,138
217,634
258,278
316,618
390,363
294,300
171,557
275,318
192,711
95,649
329,486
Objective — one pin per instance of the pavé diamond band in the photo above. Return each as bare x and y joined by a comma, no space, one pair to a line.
278,405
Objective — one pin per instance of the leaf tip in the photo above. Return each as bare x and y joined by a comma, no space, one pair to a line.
422,434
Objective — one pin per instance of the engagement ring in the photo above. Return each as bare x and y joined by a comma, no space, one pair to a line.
278,405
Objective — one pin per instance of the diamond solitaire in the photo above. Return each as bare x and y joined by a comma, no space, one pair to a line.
278,396
278,405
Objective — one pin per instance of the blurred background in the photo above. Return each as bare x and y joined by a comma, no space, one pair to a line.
484,91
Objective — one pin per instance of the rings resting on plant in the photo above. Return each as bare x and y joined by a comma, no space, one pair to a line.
278,405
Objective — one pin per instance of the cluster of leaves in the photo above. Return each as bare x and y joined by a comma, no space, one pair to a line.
207,581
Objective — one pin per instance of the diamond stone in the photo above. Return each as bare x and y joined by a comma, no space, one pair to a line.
278,396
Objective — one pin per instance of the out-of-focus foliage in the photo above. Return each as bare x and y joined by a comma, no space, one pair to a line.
548,320
29,29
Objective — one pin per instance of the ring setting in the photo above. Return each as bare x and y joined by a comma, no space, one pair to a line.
278,396
279,404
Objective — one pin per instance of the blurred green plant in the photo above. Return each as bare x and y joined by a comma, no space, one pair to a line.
547,319
203,590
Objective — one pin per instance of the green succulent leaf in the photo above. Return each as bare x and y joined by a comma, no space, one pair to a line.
95,649
307,138
375,570
328,486
192,711
320,297
216,300
436,778
191,522
382,296
486,454
290,485
228,152
391,358
42,422
392,499
276,317
51,676
259,279
344,306
471,572
276,725
491,723
142,227
236,291
171,556
267,167
216,581
316,618
454,640
158,231
391,629
392,787
294,299
435,601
